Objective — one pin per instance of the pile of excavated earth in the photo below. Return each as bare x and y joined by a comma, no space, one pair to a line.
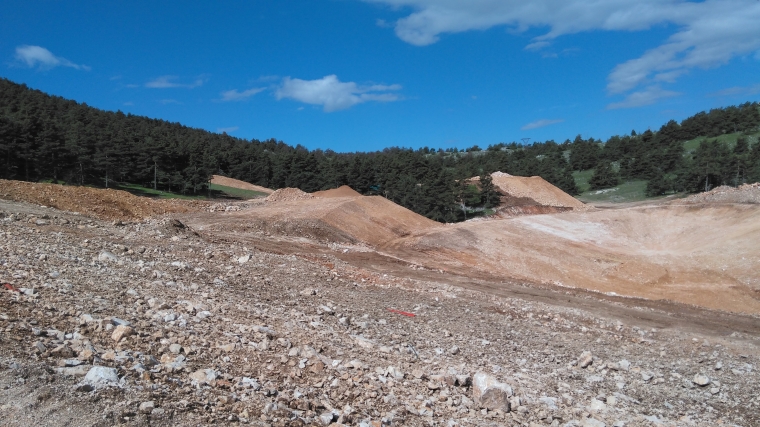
98,203
522,195
746,193
362,313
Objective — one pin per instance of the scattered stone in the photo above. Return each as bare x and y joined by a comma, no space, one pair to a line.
490,393
121,332
100,376
585,359
701,380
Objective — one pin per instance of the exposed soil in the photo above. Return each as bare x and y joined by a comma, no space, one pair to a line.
234,183
99,203
342,191
277,313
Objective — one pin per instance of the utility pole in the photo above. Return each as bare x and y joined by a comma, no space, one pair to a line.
155,174
525,141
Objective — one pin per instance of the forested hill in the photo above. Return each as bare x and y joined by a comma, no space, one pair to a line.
45,137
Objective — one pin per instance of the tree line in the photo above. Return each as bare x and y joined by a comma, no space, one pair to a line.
44,137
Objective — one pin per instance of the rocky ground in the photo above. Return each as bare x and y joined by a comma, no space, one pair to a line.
151,323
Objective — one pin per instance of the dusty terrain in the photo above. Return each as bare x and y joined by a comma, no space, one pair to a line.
278,313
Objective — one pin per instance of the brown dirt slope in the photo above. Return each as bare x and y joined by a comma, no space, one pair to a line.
535,188
342,191
235,183
100,203
371,220
702,255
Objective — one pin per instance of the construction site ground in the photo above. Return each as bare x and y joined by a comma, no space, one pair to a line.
277,313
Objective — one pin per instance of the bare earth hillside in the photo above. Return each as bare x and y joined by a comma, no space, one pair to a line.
343,311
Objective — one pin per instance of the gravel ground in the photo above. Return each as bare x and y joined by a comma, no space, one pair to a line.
148,323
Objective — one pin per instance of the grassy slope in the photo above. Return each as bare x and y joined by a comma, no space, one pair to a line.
237,192
630,191
216,192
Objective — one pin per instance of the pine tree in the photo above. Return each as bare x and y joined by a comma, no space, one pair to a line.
604,177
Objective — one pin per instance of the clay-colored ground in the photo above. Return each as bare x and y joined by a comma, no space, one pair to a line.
706,255
703,255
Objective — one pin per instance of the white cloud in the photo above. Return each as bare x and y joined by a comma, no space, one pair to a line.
38,56
707,34
169,101
332,94
228,129
648,96
234,95
165,82
738,90
541,123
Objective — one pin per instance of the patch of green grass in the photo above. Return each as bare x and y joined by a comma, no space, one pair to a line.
237,192
729,139
581,179
630,191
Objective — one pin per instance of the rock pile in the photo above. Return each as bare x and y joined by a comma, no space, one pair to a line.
746,193
288,195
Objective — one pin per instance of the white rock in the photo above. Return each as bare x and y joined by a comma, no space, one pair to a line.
701,380
203,376
585,359
101,376
147,407
107,256
243,259
489,393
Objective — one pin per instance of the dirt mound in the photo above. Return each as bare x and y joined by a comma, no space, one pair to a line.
371,220
342,191
234,183
288,195
747,193
537,189
100,203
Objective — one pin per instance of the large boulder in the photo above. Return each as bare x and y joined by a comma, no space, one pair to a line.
490,393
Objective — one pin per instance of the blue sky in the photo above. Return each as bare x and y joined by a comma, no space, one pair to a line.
354,75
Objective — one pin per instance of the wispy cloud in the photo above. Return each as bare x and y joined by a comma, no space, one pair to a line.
38,56
708,33
227,130
166,82
169,101
541,123
648,96
334,95
234,95
738,90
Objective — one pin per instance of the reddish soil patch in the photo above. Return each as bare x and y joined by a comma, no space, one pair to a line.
99,203
342,191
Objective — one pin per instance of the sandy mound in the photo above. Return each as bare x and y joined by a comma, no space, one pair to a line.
99,203
535,188
342,191
371,220
747,193
234,183
287,195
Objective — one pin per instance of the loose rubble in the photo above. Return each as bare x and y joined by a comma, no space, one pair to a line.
150,323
